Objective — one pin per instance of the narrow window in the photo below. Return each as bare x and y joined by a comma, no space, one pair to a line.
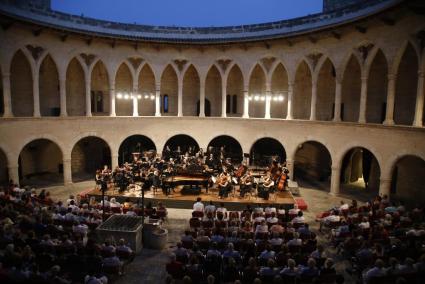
235,104
165,104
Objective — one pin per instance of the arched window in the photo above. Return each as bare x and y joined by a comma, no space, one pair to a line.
165,103
234,104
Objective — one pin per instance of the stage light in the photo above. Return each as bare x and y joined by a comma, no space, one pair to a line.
139,97
275,99
126,96
119,96
250,98
152,97
281,98
263,98
256,97
146,97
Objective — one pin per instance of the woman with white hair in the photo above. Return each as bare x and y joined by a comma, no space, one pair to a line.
114,203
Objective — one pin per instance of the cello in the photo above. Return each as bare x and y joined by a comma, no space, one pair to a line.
282,182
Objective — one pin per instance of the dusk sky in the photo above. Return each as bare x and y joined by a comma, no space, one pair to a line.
190,12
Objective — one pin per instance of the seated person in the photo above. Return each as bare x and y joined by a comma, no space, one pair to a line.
299,219
113,262
198,206
175,268
262,228
122,249
210,208
246,182
310,270
291,270
224,184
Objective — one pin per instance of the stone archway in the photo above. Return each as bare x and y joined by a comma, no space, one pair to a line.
21,85
134,144
408,180
232,148
182,140
89,154
360,173
49,88
312,165
264,150
4,173
302,92
40,164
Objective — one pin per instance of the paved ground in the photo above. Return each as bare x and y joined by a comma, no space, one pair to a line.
149,266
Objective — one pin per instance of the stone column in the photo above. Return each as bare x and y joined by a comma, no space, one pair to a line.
363,100
290,166
223,96
290,97
134,98
62,92
67,173
335,180
157,99
389,113
245,103
36,93
313,99
114,161
202,98
112,99
88,95
7,98
338,98
180,97
419,109
385,186
268,101
13,173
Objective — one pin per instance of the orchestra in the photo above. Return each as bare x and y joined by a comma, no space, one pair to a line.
151,171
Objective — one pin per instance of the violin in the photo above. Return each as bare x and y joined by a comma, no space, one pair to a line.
240,171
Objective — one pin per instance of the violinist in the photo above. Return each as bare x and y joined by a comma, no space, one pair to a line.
246,183
241,171
211,161
224,184
267,187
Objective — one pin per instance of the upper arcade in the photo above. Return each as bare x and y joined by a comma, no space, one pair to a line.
40,14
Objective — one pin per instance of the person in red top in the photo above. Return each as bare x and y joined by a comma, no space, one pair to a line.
175,268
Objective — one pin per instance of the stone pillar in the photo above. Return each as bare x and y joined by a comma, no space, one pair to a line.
134,98
389,113
245,103
313,105
88,95
180,97
363,100
112,99
157,99
419,109
7,98
13,173
338,98
67,173
223,96
290,166
335,180
290,97
385,186
62,92
202,98
268,101
114,161
36,93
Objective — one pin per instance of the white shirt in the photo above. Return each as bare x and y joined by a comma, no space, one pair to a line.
209,208
198,206
344,206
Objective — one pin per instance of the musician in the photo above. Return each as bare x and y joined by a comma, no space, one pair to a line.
156,181
224,184
246,182
211,163
241,171
267,187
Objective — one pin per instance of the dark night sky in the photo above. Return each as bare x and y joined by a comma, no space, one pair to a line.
190,12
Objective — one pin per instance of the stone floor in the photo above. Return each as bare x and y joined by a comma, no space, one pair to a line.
149,266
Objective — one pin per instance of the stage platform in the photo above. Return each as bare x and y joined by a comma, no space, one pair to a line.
178,200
